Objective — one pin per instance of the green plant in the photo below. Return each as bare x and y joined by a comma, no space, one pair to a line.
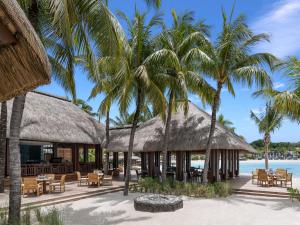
171,186
294,193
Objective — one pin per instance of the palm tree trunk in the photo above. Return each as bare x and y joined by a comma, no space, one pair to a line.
15,160
131,140
267,143
166,137
215,108
106,158
3,128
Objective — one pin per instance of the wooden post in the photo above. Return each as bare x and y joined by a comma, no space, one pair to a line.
187,162
238,164
231,163
115,160
226,164
234,164
157,164
179,165
143,161
97,157
169,155
218,165
222,165
151,164
100,149
125,162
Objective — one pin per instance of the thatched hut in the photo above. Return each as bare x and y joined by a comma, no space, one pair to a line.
188,135
57,136
24,64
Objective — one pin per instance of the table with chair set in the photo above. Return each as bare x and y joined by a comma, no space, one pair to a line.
97,178
279,178
39,184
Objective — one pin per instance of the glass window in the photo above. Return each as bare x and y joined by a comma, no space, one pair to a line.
65,154
91,154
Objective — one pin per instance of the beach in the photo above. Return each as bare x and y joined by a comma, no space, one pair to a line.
238,210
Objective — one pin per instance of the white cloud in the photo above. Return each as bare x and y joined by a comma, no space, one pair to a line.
278,85
282,23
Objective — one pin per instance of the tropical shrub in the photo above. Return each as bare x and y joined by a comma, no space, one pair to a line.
173,187
37,217
294,193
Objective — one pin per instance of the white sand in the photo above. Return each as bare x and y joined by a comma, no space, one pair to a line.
235,210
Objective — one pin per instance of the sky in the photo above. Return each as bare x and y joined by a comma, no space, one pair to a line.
279,18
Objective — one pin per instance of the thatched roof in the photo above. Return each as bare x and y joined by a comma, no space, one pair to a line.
188,133
53,119
24,64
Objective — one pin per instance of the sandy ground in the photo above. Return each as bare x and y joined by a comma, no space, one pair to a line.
236,210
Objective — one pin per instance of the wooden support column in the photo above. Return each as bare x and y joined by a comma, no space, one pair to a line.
143,161
234,163
179,165
169,155
157,164
218,165
100,149
222,165
226,164
187,162
125,162
230,163
238,164
75,157
151,164
115,160
97,157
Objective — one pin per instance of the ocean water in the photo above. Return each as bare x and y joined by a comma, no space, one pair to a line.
248,166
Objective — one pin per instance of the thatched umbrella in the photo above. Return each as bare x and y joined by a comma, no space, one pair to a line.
187,133
24,64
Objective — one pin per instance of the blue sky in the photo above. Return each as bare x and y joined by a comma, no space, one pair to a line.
279,18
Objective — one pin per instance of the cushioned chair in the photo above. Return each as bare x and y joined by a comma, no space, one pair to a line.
58,184
31,184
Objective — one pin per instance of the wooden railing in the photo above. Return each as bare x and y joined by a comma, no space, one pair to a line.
37,169
86,167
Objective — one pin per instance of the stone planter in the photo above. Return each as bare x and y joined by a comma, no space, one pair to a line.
157,203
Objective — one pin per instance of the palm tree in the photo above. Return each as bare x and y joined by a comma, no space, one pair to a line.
85,107
267,123
287,101
226,123
233,61
174,61
127,118
3,130
132,81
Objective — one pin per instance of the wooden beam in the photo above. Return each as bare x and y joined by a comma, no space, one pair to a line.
218,165
151,164
143,161
238,164
169,155
179,165
115,160
226,164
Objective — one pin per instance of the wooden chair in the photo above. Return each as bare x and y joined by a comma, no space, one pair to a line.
263,178
254,175
93,178
58,183
51,178
281,176
81,179
107,179
289,179
31,184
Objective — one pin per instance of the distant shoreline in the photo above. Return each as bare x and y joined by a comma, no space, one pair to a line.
262,161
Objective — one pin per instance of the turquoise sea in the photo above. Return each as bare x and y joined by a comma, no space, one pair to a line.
248,166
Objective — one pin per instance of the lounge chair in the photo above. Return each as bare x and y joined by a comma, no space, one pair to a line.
263,179
81,179
31,184
58,183
93,179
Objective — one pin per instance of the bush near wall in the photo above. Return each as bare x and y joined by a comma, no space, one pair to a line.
173,187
